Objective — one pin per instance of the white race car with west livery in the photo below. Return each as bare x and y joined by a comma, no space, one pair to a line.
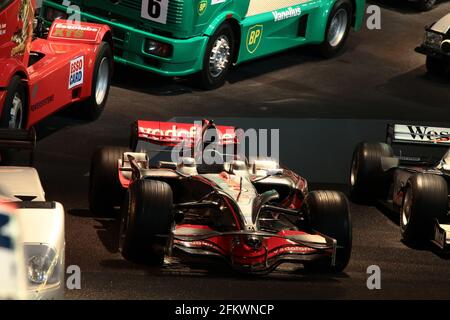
410,174
40,224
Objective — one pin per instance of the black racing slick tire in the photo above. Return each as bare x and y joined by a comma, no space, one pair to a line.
14,110
425,5
367,177
93,107
438,66
425,200
105,190
328,213
219,55
337,29
146,222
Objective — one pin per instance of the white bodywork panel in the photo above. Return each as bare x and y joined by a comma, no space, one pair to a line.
45,227
20,181
263,6
443,25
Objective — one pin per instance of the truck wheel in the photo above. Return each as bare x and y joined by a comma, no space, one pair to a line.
367,174
338,28
105,190
101,80
426,5
218,58
327,212
13,114
146,221
437,66
425,199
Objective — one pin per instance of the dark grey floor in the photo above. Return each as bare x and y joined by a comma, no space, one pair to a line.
379,77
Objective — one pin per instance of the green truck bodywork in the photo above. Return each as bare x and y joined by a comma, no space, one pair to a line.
262,27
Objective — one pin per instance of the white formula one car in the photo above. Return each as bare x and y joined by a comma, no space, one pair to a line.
436,46
40,224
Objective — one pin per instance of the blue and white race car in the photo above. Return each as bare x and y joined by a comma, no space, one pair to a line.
32,244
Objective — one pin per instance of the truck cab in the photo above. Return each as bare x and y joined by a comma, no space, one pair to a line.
183,37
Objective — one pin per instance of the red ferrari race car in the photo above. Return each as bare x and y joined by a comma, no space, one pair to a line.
254,215
410,175
40,76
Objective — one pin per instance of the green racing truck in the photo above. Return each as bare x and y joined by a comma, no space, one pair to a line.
205,37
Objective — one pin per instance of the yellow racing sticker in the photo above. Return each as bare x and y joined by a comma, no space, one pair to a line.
254,36
202,7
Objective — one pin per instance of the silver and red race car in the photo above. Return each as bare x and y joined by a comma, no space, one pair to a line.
410,175
255,215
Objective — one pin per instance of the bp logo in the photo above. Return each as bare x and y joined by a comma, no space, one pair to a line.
202,7
254,36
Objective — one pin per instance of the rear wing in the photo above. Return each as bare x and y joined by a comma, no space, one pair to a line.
171,134
15,139
418,144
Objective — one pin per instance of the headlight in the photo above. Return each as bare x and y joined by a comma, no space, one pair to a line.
38,269
158,48
42,264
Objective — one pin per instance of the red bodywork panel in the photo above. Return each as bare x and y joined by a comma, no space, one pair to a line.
63,73
235,249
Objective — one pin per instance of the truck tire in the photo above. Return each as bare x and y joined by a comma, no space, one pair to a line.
101,81
218,58
337,29
146,221
367,175
105,190
327,212
425,200
14,110
426,5
437,66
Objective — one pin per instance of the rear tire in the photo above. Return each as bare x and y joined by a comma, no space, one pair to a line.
105,190
367,175
93,107
425,199
438,66
146,221
13,114
327,212
338,29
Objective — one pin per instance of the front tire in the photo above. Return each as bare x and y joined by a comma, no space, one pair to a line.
13,114
425,200
219,55
146,221
327,212
338,29
101,81
105,190
367,177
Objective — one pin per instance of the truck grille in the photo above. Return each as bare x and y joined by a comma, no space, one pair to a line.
174,14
